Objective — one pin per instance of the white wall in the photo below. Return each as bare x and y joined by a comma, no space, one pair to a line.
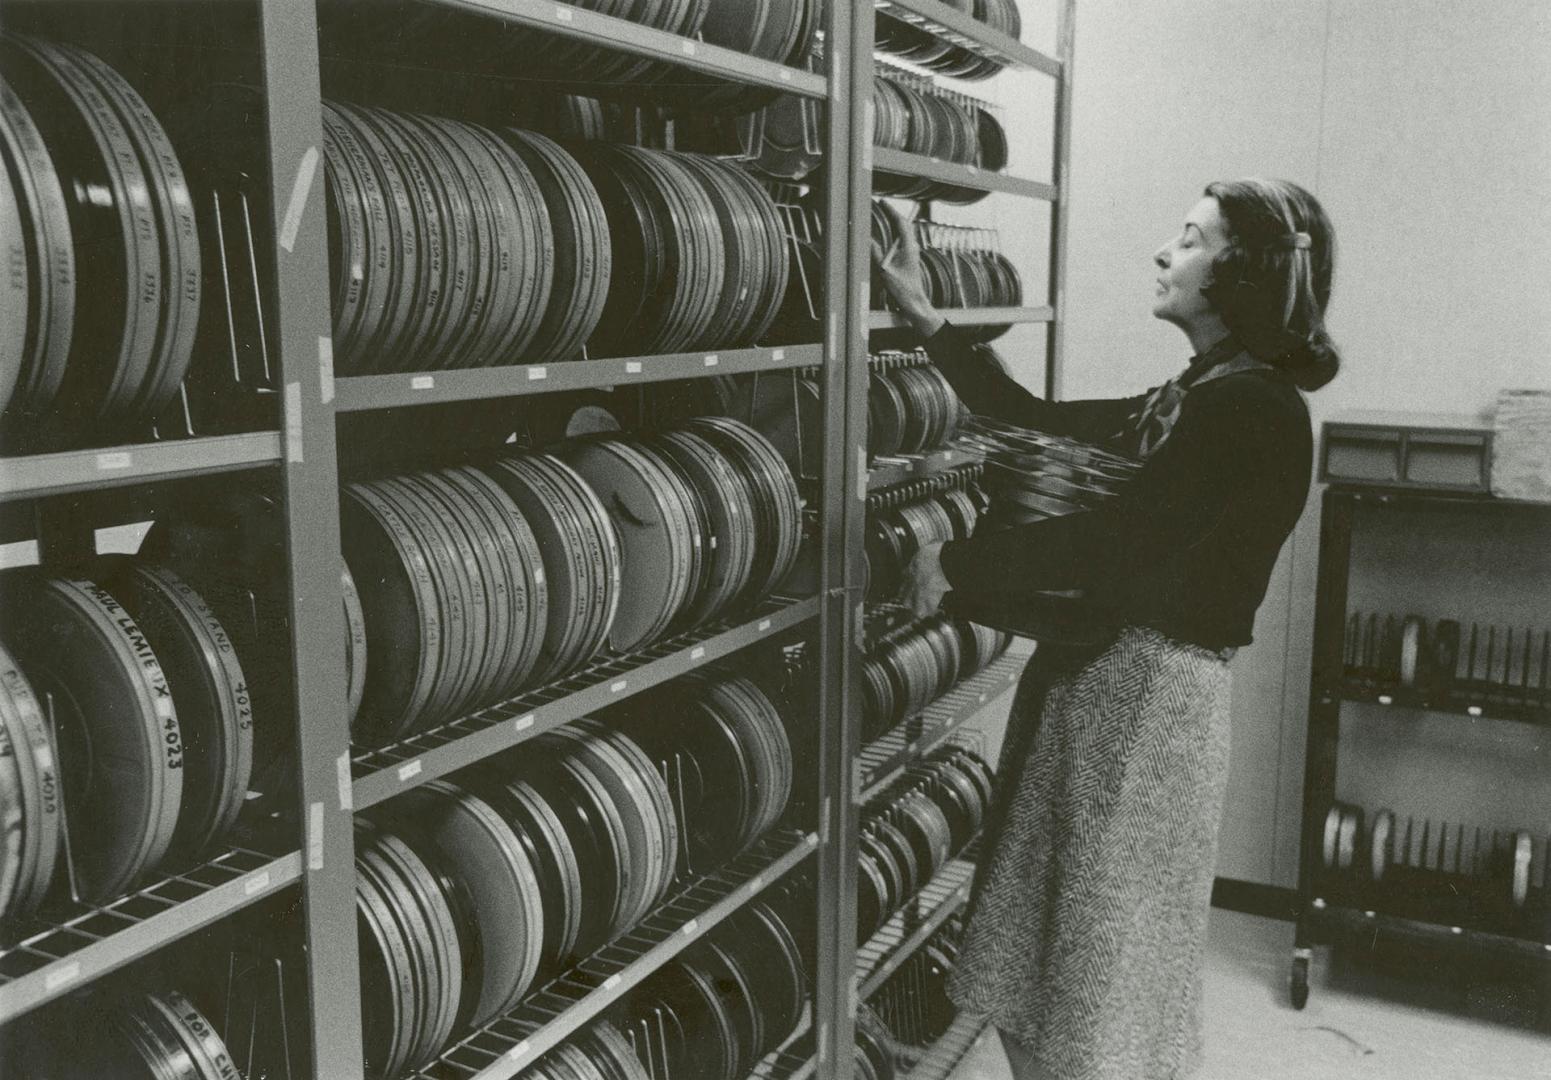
1425,129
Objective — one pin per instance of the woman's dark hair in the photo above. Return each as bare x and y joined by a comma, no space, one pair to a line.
1271,284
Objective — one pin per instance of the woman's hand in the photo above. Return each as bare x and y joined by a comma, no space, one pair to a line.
925,584
903,278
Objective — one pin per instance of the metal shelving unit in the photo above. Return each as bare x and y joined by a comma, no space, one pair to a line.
336,779
875,766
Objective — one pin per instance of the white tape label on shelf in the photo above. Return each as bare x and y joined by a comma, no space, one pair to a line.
524,722
346,784
66,973
326,368
301,187
518,1051
786,76
411,770
611,982
697,652
256,882
293,422
690,927
712,360
423,382
764,624
114,459
777,355
632,367
618,686
315,836
537,373
687,48
564,15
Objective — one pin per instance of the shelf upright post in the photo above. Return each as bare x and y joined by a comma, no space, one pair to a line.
848,180
1060,208
294,136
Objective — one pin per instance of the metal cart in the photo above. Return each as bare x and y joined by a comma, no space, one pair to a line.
1428,886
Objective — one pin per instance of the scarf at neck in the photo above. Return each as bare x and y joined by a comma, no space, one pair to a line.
1160,412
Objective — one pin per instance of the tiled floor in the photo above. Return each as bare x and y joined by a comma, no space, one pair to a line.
1359,1025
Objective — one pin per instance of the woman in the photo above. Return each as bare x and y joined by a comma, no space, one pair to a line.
1088,924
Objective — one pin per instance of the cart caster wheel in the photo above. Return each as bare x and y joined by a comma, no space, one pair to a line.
1298,987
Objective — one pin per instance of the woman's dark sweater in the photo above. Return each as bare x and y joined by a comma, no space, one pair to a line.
1189,546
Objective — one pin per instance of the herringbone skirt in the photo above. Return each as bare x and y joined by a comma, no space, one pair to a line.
1088,922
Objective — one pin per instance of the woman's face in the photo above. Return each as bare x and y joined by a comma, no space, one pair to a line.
1185,267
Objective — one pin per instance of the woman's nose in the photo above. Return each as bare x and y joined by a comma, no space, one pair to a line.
1161,257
